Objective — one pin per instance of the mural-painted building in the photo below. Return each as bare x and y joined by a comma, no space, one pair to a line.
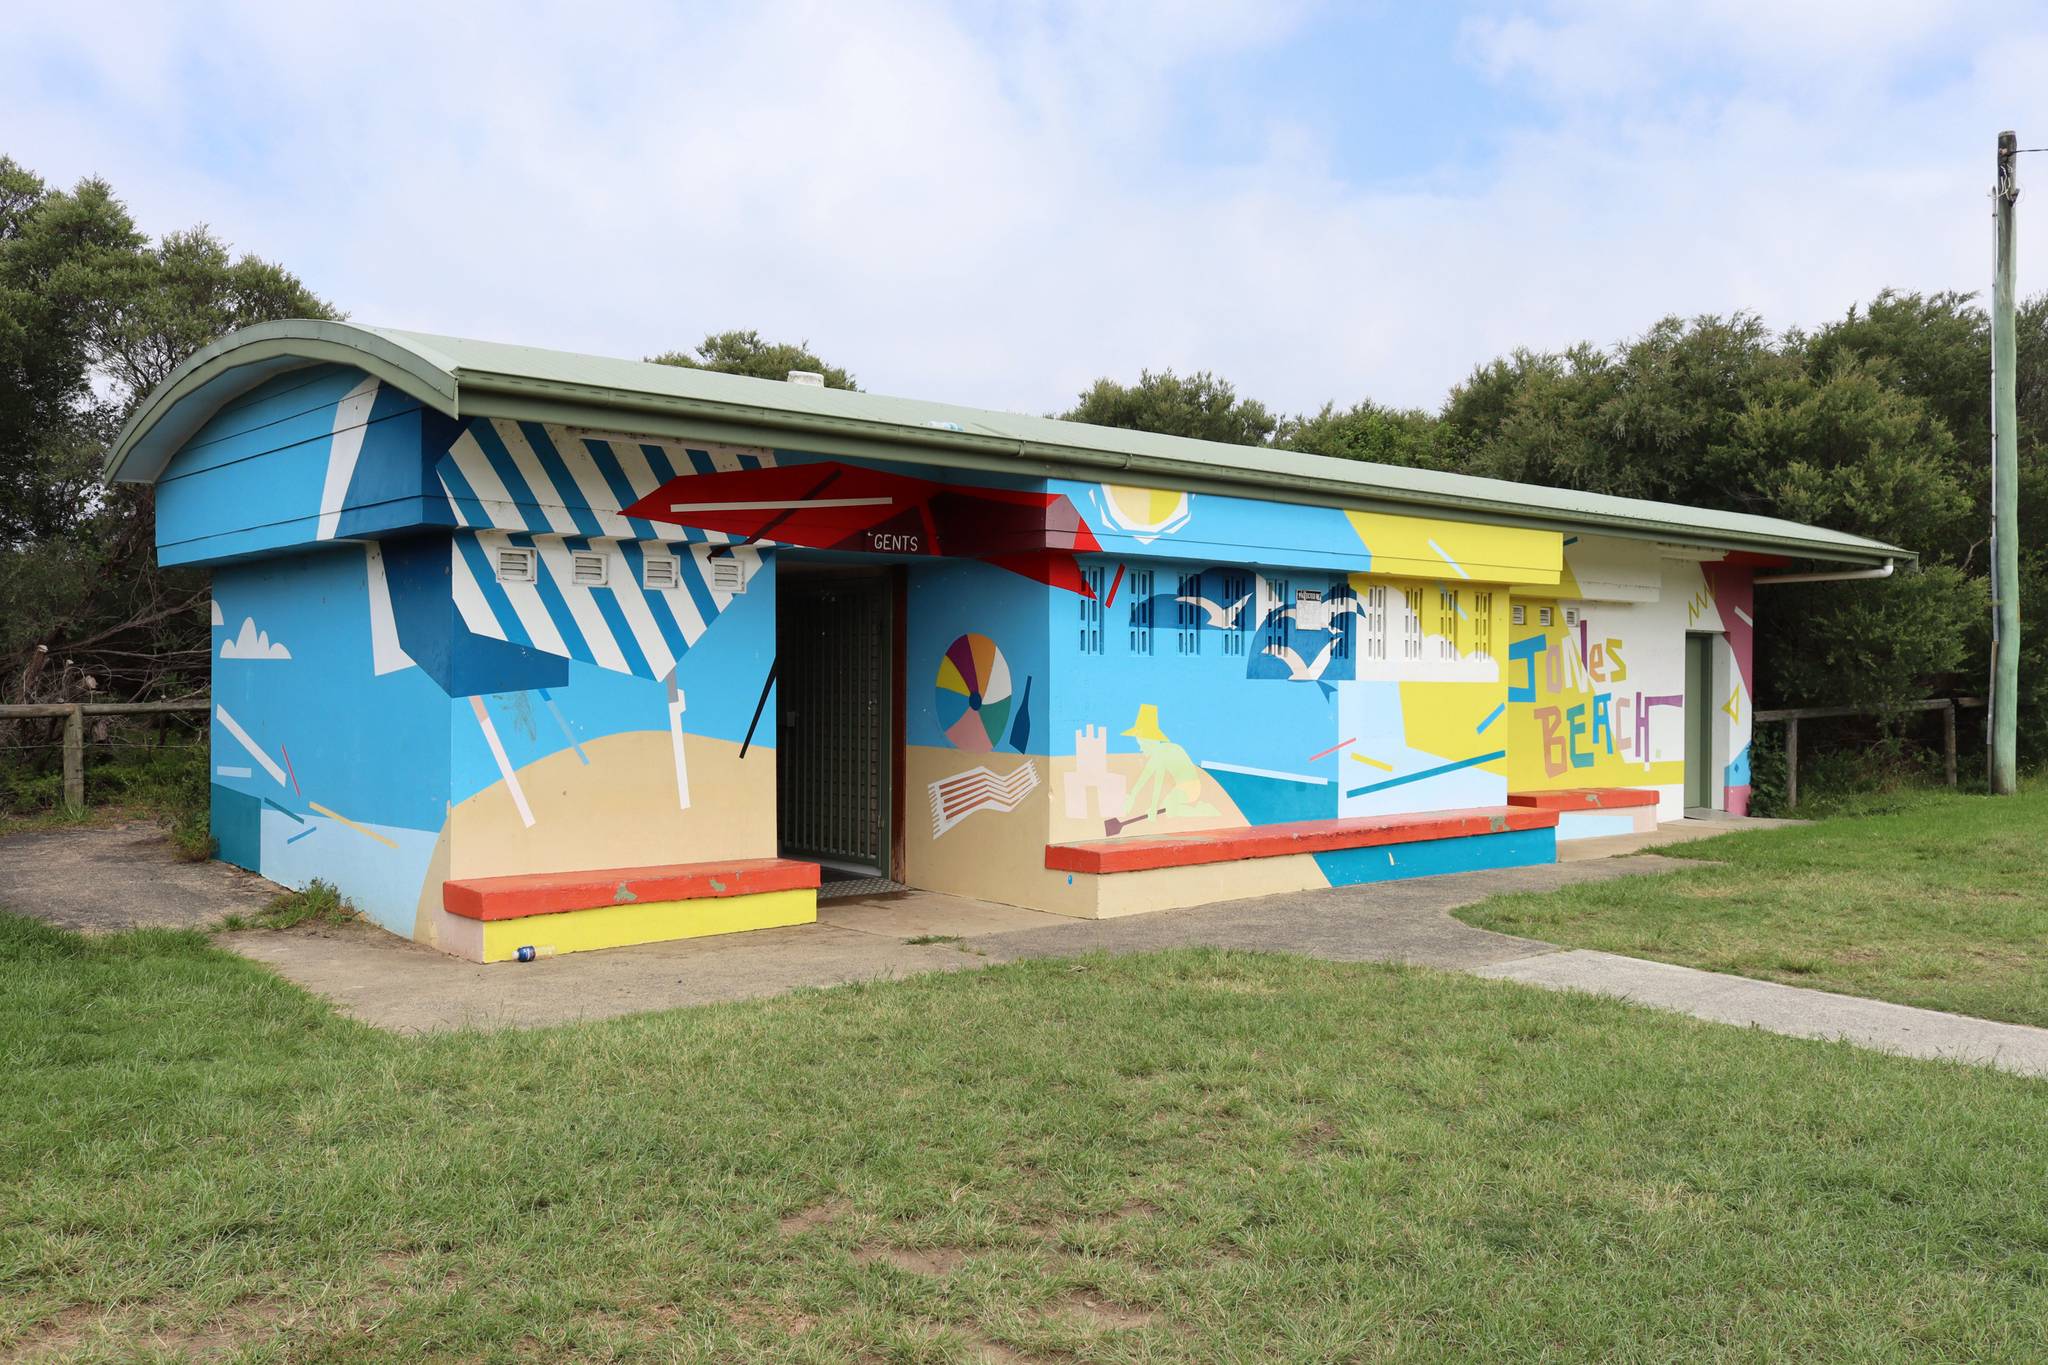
526,649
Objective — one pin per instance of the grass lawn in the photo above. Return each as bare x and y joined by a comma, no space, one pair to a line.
1924,898
1190,1156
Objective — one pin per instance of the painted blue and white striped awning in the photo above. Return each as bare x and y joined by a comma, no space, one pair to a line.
558,492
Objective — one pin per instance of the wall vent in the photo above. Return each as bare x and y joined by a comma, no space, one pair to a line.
516,565
727,575
1518,615
660,571
588,569
1571,618
1545,615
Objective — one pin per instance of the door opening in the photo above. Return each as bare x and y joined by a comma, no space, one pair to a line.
1699,723
833,732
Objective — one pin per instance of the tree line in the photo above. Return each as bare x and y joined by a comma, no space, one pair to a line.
1876,424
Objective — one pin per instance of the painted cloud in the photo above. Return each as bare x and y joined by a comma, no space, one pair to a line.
252,644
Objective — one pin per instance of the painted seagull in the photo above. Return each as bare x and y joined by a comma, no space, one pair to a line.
1314,616
1222,618
1297,671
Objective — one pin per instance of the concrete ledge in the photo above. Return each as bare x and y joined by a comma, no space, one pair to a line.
1101,856
1584,798
547,893
623,926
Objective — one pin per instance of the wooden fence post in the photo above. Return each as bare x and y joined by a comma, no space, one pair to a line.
74,757
1791,762
1948,741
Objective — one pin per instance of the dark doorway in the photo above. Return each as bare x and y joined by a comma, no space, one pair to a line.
1699,722
834,739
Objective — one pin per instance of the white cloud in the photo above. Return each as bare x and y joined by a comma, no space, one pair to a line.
253,644
992,210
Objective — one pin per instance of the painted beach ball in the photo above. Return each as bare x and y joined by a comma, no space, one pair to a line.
974,693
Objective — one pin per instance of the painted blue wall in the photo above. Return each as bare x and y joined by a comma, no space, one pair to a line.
256,477
294,670
1215,692
947,599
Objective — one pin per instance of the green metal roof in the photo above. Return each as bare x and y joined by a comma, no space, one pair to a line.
464,378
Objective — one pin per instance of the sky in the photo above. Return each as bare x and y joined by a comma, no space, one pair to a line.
995,204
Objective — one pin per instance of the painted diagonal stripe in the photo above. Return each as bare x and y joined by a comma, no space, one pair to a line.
386,654
528,513
233,727
688,601
471,551
469,598
568,490
619,631
598,494
351,423
463,504
525,600
493,499
543,499
1427,773
632,600
605,460
505,772
583,611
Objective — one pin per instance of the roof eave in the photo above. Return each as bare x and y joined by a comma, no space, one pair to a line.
243,359
525,398
214,374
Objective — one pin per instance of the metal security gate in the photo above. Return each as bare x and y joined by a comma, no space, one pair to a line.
833,637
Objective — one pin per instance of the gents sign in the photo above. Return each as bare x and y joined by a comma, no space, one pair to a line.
831,505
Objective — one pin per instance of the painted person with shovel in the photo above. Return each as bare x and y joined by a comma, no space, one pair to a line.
1169,784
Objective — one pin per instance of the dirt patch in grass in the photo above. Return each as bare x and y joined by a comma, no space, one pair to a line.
1099,1314
62,1333
916,1260
988,1352
785,1320
803,1220
1053,1229
1315,1137
251,1320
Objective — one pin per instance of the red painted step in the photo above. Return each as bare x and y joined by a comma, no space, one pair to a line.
1584,798
1299,836
545,893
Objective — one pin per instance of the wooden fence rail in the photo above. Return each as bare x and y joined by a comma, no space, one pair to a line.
74,714
1791,716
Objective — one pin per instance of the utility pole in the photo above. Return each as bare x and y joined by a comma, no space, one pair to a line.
2005,459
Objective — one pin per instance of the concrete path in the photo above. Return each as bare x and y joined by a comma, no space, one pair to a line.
106,878
100,878
1792,1010
397,984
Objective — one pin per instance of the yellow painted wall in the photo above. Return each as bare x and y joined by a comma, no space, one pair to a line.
1468,551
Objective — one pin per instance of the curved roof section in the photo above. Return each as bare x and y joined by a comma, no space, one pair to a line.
464,378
